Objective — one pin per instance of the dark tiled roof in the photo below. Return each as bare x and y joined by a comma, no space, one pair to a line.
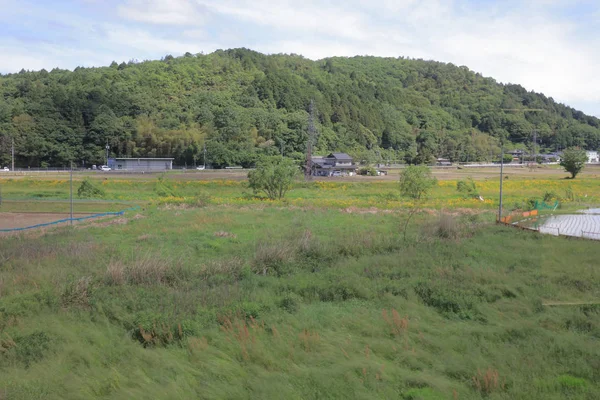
340,156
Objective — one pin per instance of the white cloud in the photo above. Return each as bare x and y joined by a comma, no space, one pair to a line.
168,12
310,17
529,42
146,42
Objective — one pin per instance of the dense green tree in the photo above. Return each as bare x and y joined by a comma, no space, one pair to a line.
273,176
573,160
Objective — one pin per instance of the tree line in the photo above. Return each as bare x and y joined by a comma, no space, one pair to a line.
242,105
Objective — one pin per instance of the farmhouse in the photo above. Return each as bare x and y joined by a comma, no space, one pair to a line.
141,164
333,164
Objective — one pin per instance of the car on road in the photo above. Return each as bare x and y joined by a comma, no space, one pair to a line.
201,168
105,168
336,173
5,169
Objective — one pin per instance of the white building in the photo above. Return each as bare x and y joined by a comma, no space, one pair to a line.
141,164
592,156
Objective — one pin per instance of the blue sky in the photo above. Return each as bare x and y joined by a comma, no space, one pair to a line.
550,46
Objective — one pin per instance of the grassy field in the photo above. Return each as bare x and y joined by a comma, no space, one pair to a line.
215,294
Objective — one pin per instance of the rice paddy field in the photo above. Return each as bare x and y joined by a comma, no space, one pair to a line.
208,291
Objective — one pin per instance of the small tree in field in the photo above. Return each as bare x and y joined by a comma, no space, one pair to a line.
573,160
273,175
415,184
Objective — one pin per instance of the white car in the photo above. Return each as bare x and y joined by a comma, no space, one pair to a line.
200,168
5,169
105,168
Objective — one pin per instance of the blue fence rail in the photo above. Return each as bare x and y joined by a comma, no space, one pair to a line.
62,221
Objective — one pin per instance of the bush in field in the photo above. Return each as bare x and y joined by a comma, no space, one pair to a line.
87,190
368,171
468,188
415,184
573,160
273,176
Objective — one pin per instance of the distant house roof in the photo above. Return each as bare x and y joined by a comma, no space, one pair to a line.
340,156
147,158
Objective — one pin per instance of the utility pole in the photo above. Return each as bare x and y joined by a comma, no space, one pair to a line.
534,146
501,179
12,152
523,110
71,219
107,148
312,132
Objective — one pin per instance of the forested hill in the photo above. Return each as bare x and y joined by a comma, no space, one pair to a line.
243,104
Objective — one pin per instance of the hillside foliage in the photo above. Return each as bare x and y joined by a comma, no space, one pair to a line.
244,104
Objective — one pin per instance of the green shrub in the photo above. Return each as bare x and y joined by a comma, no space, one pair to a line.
468,188
87,190
449,300
289,303
367,171
550,196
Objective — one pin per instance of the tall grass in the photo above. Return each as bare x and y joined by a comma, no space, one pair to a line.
297,303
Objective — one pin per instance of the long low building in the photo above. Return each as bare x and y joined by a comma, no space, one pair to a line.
140,164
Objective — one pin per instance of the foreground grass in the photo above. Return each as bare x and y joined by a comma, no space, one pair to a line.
274,302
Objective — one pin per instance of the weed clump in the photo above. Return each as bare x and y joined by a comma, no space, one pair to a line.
448,227
147,270
77,292
488,381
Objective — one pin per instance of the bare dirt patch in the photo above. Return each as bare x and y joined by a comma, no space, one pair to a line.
9,220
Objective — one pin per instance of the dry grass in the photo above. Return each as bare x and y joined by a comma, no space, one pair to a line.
448,227
397,324
228,266
241,331
145,270
143,238
115,274
269,257
225,234
488,381
77,293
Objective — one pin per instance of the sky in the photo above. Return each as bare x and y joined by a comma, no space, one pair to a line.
549,46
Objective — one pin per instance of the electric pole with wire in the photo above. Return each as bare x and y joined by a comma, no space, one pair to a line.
523,110
312,134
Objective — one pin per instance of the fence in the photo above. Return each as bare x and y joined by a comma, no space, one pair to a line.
573,225
69,220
